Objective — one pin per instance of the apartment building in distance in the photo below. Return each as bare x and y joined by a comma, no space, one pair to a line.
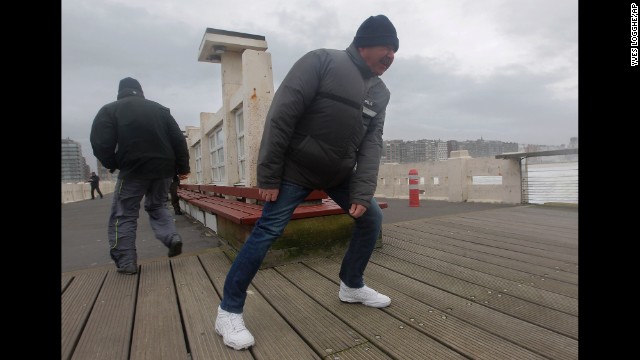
74,165
401,151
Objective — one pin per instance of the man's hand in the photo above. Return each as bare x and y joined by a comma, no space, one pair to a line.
357,210
269,194
183,176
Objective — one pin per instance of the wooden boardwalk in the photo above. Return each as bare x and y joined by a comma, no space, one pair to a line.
493,284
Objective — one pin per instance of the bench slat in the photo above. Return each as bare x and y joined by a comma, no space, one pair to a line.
243,192
188,194
237,214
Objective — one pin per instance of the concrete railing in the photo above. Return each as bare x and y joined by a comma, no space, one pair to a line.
452,180
82,191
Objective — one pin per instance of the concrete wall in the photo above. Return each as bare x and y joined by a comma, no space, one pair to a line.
257,94
82,191
452,180
449,180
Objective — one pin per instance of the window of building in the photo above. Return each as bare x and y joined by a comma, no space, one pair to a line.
240,142
216,151
198,158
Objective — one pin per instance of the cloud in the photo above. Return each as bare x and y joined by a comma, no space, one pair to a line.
496,69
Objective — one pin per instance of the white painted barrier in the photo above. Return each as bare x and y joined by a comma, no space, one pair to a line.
82,191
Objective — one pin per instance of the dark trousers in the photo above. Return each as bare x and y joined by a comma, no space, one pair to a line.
93,189
275,217
175,200
125,210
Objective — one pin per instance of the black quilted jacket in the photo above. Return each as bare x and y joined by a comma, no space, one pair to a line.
139,137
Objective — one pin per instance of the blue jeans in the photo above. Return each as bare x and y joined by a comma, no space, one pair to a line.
125,210
275,217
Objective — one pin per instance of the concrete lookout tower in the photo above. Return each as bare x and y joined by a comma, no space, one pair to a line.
225,146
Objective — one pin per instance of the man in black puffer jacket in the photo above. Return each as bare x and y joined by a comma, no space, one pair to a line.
140,138
323,131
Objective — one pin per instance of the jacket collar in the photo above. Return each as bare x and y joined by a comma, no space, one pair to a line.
126,92
352,50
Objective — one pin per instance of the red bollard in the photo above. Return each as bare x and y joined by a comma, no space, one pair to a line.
414,192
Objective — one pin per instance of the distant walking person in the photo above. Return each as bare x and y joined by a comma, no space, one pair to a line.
141,139
94,181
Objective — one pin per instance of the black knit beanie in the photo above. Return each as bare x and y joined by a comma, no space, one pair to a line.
129,83
376,30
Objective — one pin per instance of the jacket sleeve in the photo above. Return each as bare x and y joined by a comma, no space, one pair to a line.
365,178
104,138
294,94
179,144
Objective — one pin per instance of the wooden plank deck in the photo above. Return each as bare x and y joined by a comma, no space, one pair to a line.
492,284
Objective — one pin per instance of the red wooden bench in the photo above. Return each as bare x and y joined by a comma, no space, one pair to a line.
219,200
318,226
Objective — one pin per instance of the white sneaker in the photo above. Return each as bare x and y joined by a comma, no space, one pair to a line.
231,327
365,295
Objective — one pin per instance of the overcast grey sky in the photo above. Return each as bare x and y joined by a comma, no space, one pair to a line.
466,69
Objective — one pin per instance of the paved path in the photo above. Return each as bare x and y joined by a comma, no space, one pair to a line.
84,235
84,229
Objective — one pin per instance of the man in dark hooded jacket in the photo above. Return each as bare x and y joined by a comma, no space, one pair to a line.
140,138
94,181
323,131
